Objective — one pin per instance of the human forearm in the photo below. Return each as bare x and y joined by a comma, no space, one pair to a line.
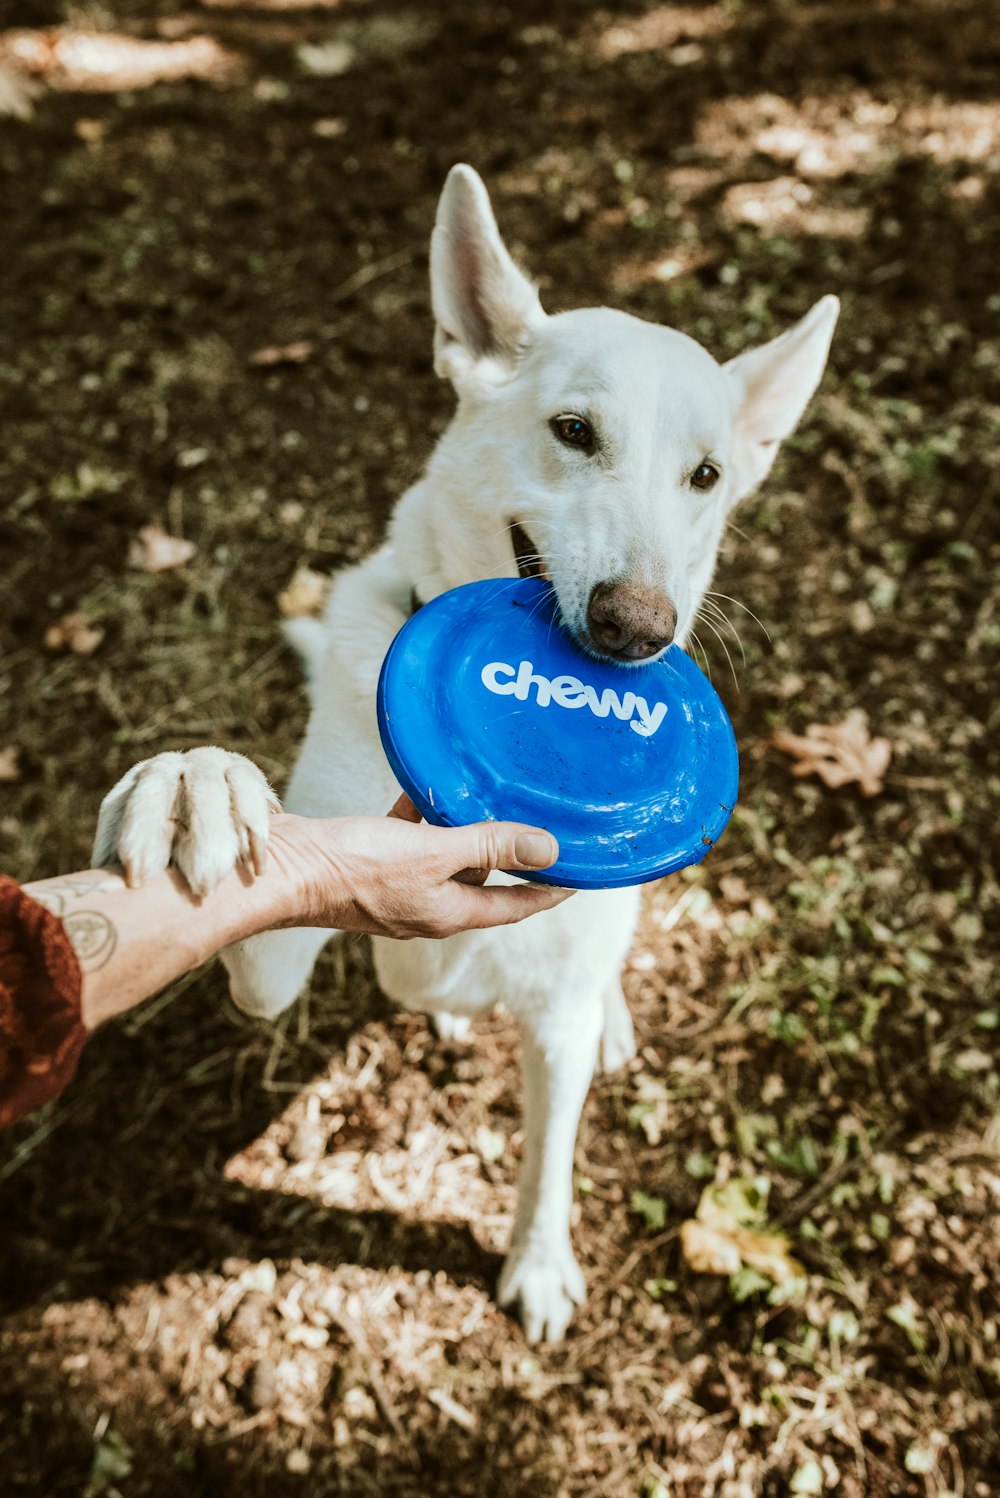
386,875
132,942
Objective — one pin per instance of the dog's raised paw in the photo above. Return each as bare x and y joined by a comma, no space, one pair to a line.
205,811
545,1287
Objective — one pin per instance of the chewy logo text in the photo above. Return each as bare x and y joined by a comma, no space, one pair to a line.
568,691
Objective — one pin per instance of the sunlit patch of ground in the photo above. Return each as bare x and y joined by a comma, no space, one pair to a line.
662,28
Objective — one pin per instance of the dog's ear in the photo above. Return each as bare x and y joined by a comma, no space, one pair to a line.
484,307
772,386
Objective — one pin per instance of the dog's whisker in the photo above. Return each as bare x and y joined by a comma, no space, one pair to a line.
720,615
707,621
704,653
712,594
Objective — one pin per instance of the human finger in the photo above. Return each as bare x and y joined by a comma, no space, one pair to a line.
404,810
500,905
497,845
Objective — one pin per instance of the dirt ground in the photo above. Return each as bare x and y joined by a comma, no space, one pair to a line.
252,1260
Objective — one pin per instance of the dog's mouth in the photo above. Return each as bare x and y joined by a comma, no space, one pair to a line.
529,563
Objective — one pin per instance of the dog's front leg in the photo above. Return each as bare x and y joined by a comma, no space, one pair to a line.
541,1274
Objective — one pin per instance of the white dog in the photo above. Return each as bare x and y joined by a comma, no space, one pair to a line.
604,453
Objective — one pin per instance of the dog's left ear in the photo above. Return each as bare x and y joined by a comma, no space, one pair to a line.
772,386
484,307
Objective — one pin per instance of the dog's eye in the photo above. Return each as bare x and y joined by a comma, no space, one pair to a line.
705,477
574,431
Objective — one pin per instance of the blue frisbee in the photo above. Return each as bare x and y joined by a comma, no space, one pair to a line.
490,711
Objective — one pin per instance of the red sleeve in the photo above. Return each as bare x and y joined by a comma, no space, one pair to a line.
41,1029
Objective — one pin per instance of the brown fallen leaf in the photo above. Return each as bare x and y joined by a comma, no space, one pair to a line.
288,353
74,632
17,93
305,594
89,131
708,1251
154,551
10,768
838,753
726,1234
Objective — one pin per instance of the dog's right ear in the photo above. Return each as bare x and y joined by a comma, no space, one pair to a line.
484,307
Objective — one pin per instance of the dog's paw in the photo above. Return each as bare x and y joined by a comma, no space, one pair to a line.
451,1026
618,1046
205,811
546,1287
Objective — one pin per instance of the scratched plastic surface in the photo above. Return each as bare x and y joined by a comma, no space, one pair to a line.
634,785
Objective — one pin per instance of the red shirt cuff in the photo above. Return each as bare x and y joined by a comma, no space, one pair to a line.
41,1028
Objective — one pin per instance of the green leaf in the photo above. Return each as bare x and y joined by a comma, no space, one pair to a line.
657,1289
750,1126
111,1462
746,1282
792,1292
740,1200
787,1028
799,1157
905,1318
652,1210
85,482
701,1166
880,1226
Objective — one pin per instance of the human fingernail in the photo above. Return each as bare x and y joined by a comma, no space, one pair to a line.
535,850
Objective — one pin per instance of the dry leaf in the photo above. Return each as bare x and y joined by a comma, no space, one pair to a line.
90,131
154,551
838,753
768,1254
724,1236
74,632
708,1251
17,93
305,594
288,353
10,768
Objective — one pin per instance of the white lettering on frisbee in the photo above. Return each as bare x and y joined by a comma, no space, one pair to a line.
568,691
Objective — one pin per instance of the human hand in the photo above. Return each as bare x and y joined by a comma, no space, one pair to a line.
397,876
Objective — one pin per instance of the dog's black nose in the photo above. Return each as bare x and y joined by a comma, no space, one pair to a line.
630,621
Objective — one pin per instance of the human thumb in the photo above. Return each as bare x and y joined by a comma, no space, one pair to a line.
503,845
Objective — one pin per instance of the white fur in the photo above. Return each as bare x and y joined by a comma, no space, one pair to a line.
661,405
205,811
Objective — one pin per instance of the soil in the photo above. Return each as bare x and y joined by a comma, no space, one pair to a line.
245,1259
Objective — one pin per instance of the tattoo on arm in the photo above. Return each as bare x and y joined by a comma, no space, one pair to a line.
58,895
93,938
